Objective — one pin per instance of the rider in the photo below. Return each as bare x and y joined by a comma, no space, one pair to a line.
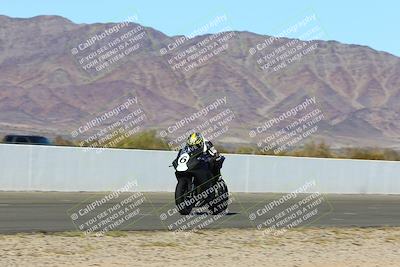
206,171
206,150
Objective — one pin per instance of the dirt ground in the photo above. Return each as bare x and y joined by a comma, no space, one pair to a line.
306,247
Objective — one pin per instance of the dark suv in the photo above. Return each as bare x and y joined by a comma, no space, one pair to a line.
26,139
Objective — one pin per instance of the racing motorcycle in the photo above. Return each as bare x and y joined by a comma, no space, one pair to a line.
192,167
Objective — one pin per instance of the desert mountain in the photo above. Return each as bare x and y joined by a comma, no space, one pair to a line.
45,89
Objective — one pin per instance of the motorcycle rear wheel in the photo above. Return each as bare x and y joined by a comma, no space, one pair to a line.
223,199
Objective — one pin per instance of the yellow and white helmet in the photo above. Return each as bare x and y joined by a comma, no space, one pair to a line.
195,141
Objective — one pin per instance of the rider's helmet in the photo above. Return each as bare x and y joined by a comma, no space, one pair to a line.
195,141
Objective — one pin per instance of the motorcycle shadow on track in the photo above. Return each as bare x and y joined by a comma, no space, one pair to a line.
204,212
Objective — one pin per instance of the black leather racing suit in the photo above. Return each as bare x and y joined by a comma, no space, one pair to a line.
213,157
209,154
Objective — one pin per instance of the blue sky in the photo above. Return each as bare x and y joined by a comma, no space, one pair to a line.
372,23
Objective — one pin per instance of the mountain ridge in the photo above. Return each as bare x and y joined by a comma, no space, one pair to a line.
41,83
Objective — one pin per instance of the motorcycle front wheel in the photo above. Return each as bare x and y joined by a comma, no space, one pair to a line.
182,191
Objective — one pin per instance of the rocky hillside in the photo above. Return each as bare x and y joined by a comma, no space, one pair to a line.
49,82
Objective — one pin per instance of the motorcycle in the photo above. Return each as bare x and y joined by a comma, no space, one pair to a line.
191,167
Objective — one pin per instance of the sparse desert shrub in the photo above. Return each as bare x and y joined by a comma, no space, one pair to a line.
312,149
143,140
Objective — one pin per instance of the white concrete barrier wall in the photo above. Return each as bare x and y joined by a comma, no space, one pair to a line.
47,168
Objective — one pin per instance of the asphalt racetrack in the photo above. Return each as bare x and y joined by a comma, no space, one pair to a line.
55,211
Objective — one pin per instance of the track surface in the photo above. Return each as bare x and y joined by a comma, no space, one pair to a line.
50,211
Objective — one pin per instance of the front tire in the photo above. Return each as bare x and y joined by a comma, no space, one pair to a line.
181,194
